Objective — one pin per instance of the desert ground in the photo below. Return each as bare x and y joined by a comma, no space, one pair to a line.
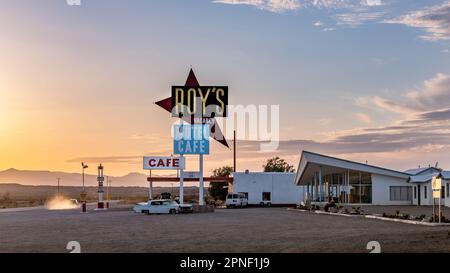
267,230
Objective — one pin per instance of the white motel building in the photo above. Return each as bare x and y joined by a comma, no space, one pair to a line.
268,189
358,183
320,177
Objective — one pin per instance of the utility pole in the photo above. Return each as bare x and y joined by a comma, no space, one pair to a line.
234,151
107,192
58,184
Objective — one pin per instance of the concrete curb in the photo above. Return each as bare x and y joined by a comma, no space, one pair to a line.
411,222
338,214
299,210
325,213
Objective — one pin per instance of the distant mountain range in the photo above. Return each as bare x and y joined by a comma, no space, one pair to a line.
70,179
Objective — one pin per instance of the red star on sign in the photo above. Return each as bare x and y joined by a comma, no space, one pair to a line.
216,132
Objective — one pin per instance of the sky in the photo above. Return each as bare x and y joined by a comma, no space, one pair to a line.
366,80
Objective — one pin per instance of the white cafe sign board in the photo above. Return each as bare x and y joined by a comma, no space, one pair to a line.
436,185
163,163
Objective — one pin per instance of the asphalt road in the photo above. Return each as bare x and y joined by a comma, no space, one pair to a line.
239,230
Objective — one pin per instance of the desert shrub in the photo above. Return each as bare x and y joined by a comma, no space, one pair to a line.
7,202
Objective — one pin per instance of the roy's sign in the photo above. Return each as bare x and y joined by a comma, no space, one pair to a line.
200,101
163,163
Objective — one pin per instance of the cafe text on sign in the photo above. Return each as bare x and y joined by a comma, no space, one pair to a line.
163,163
191,139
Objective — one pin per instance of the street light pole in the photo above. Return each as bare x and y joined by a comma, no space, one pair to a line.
83,193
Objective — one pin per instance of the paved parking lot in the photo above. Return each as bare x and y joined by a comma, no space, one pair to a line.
239,230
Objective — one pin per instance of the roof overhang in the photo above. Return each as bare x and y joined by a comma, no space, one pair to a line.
426,178
310,163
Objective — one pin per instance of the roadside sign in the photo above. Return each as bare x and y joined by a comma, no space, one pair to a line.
436,185
163,163
200,101
191,139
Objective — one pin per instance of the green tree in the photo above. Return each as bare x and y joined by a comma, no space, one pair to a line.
278,165
217,189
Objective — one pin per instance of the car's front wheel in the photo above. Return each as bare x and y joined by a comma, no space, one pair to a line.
173,212
146,212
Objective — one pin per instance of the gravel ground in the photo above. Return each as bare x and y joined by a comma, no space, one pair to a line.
239,230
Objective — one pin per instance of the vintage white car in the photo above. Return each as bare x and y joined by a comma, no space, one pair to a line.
164,206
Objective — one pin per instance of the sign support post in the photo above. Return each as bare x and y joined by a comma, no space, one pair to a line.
150,188
434,209
436,185
201,200
182,184
439,210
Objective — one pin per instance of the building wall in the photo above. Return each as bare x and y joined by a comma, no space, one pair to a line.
280,185
415,197
447,193
381,189
429,200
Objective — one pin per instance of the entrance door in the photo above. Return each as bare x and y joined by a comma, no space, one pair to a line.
419,195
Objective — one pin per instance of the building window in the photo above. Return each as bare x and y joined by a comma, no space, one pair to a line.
425,192
415,192
400,193
266,196
443,192
448,190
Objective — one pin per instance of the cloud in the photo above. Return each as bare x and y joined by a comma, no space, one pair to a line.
286,5
423,127
318,24
372,3
424,132
277,6
383,104
435,21
147,138
358,18
330,4
357,12
434,93
363,117
437,115
343,4
108,159
393,106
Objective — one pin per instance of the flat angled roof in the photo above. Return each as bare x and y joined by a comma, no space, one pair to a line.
420,170
310,161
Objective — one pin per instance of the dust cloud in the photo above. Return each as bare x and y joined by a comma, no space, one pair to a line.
60,202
